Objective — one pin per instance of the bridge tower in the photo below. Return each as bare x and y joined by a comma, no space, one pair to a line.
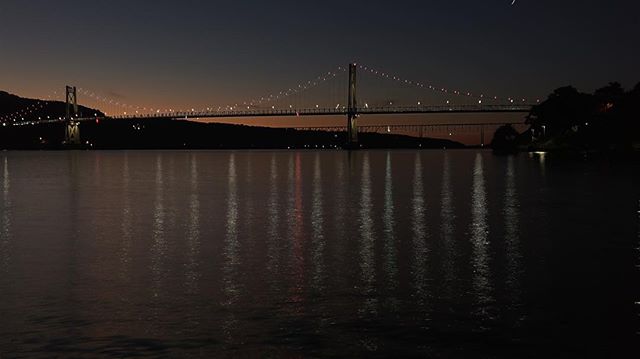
72,130
352,110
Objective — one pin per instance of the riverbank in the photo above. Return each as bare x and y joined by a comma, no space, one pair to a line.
182,134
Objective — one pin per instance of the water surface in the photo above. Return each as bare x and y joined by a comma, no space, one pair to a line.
308,254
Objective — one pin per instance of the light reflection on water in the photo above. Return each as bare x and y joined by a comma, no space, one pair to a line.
480,238
273,210
192,273
231,264
390,247
512,227
317,224
127,218
447,224
306,254
158,250
367,239
5,240
420,250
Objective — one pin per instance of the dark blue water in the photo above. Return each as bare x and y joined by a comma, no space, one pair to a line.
317,254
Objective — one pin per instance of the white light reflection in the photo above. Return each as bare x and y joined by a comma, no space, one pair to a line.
295,213
367,240
231,252
542,156
273,210
391,265
125,246
192,272
479,238
340,200
420,251
317,224
511,214
5,240
447,222
158,246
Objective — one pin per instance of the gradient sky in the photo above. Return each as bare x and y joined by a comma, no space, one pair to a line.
188,53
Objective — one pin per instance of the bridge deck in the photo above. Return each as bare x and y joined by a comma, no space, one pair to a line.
336,111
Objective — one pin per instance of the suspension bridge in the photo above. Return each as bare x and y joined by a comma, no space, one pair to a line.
288,103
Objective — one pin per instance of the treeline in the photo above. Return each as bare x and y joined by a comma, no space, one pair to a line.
609,118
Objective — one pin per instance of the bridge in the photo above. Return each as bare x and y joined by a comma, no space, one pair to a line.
352,109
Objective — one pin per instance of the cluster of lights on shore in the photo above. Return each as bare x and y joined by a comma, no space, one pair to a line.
22,116
22,113
27,115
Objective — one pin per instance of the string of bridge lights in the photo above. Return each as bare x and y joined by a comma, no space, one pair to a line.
299,88
256,102
109,101
426,86
302,87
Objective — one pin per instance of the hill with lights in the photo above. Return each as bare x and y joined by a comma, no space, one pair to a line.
15,109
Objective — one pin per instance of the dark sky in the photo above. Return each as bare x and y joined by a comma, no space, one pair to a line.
190,53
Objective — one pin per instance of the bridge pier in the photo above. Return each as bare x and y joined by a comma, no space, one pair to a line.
352,110
72,133
72,130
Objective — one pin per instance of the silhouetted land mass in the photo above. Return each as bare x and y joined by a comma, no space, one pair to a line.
17,108
569,120
181,134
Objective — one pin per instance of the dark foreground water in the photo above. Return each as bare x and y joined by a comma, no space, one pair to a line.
310,254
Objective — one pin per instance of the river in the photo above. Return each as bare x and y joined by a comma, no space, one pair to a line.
317,254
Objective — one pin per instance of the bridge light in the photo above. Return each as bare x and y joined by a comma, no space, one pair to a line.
479,101
419,103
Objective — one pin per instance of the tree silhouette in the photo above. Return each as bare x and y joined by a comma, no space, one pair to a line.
605,119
